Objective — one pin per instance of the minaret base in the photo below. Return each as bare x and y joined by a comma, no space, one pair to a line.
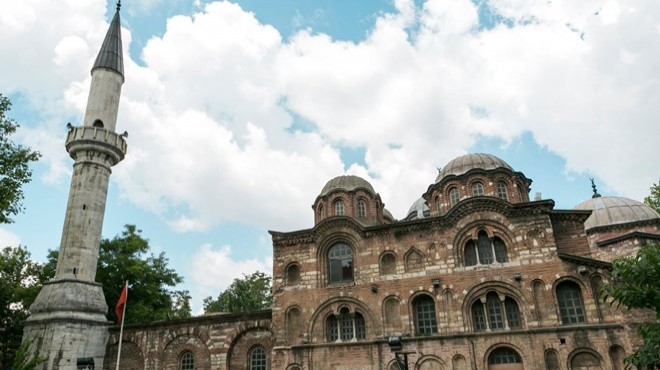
68,323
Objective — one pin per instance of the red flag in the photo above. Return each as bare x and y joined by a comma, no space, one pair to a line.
119,309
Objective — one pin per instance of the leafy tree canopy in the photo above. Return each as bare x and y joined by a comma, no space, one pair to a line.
20,282
636,285
150,280
14,165
250,293
653,200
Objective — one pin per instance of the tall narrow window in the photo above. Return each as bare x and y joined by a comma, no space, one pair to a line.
500,250
187,361
512,314
453,196
321,211
569,300
494,306
339,208
470,253
437,204
424,311
340,263
477,189
258,358
361,208
478,317
345,324
501,190
332,328
360,330
484,248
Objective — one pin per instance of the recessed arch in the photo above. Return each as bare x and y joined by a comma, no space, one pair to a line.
387,263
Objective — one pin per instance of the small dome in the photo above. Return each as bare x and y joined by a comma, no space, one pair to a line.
347,183
464,163
615,210
419,209
388,214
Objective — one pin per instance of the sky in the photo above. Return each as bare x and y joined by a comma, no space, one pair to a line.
239,112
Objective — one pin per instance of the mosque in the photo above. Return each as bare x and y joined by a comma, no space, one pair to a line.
476,276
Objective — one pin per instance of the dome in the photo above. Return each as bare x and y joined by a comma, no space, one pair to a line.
615,210
388,214
347,183
419,209
464,163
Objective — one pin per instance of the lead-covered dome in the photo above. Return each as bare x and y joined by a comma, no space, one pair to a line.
465,163
609,210
346,183
419,209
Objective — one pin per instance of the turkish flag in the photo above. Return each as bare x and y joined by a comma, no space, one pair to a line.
119,309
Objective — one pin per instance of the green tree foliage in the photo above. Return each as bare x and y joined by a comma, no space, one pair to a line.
653,200
20,282
14,165
636,284
150,297
250,293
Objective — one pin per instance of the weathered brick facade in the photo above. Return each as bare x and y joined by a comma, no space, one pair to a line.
489,280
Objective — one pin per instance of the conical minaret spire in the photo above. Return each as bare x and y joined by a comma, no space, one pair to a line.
68,317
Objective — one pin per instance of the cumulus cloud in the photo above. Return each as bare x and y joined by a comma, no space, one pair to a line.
213,269
9,239
212,111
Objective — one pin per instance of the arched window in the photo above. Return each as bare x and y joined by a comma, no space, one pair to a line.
484,251
388,264
294,324
437,204
453,196
258,358
477,189
424,313
585,361
321,211
521,193
501,190
504,355
293,274
361,208
98,123
340,263
569,300
186,361
339,208
345,327
495,314
552,360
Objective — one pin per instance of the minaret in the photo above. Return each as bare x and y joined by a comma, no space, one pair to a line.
68,318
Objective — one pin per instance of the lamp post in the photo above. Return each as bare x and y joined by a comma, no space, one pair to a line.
396,345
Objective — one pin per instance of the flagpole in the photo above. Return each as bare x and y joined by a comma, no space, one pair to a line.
121,327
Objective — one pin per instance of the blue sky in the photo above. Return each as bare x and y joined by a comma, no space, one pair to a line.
238,113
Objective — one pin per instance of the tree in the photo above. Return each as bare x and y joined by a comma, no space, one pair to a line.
14,166
250,293
127,257
635,284
653,200
20,282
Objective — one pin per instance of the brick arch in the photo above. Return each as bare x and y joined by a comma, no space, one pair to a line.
350,238
244,326
581,351
169,358
430,362
585,291
521,353
242,345
493,228
387,269
498,287
170,335
132,357
332,306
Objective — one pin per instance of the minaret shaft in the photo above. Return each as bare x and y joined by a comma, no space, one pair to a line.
103,100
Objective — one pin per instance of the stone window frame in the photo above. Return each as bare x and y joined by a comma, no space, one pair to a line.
422,329
489,300
477,188
262,362
186,360
386,253
493,252
339,207
571,316
287,272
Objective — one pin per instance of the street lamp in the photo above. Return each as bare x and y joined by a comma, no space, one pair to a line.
396,345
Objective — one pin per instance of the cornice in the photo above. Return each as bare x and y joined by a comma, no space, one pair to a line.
632,235
623,226
584,260
570,215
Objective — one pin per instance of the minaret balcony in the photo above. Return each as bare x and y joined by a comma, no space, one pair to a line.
95,139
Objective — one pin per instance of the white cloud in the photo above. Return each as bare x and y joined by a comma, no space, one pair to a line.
210,115
213,269
9,239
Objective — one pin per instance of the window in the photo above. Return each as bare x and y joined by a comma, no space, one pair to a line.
569,300
293,274
453,196
495,314
339,208
361,208
187,361
424,313
437,204
321,211
477,189
504,355
501,190
258,358
98,123
484,251
345,327
340,263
